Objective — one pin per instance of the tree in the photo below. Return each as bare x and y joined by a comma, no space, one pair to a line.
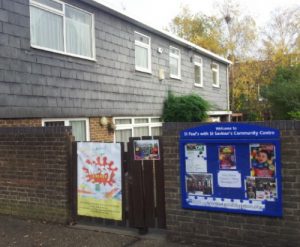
241,35
281,36
199,29
250,77
188,108
283,93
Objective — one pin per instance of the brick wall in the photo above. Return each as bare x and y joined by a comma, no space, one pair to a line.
35,173
98,132
30,122
225,229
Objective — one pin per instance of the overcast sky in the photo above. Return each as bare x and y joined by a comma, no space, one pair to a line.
159,13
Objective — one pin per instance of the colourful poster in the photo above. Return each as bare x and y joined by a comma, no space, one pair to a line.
227,159
99,189
146,150
262,160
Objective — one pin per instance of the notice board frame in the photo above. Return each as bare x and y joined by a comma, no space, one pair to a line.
218,134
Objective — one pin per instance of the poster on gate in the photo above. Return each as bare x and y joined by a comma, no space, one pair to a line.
99,187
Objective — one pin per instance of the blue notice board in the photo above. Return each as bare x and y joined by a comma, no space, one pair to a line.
231,167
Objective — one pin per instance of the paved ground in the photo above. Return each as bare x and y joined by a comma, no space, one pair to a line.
20,233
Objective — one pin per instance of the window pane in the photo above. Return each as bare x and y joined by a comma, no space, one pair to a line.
141,120
197,74
123,135
50,4
155,120
54,123
215,79
141,57
79,130
174,66
156,131
141,131
122,121
78,32
141,38
46,29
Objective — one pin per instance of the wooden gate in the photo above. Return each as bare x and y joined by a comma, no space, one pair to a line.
143,191
146,189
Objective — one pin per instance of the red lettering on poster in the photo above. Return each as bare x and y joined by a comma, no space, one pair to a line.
100,171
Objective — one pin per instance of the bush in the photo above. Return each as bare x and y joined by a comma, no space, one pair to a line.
294,115
189,108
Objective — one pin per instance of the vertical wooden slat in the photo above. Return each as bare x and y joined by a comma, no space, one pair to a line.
136,206
148,185
160,189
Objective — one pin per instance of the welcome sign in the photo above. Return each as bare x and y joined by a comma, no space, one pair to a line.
231,167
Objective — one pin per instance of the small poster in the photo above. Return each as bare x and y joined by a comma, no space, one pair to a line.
229,179
199,184
227,158
262,160
259,188
146,150
99,189
196,158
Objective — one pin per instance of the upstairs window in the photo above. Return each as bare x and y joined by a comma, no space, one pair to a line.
215,74
198,72
59,27
142,52
175,64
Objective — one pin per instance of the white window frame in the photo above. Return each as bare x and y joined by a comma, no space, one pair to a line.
134,125
62,13
67,123
199,63
178,57
146,46
217,71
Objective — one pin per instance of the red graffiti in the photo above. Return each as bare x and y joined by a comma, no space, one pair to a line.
100,171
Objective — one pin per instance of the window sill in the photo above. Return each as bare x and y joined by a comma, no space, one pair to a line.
216,86
63,53
143,71
198,85
175,77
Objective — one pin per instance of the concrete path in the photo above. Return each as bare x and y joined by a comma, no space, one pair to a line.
25,233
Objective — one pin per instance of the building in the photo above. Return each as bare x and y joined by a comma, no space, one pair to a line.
84,64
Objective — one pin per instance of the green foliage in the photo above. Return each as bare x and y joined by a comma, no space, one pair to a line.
295,115
188,108
283,93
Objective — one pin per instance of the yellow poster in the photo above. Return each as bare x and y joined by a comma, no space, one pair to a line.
99,190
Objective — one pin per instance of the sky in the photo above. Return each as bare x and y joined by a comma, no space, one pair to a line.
159,13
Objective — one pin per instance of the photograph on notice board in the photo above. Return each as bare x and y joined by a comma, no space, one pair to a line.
199,184
195,158
250,188
262,160
266,189
259,188
227,158
146,150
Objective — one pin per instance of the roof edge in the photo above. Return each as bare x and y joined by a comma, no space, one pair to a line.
127,17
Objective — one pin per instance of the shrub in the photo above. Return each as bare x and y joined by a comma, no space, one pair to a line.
188,108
